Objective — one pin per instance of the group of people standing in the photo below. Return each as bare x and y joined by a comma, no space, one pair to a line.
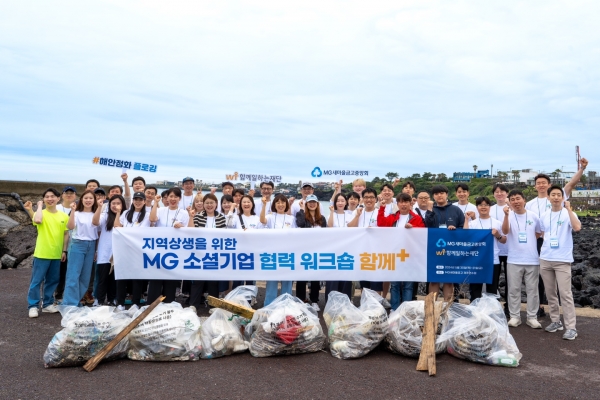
73,255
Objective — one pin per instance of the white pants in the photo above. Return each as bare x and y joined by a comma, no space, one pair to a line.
516,274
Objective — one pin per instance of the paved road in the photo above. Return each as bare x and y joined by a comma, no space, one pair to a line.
551,368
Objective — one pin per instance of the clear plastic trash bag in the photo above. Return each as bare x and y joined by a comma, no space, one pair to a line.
354,331
221,333
286,326
85,332
168,333
405,333
479,332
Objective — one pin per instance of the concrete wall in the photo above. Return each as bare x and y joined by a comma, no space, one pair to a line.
24,188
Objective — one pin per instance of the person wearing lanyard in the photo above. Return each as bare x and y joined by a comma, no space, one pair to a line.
540,205
138,216
170,216
310,216
187,199
443,216
462,194
485,221
404,218
69,195
339,216
556,257
353,202
210,218
522,229
500,192
278,219
106,289
365,216
245,219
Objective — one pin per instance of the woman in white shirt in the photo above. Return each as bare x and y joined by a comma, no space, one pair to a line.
246,219
278,219
339,218
82,249
106,288
170,216
136,217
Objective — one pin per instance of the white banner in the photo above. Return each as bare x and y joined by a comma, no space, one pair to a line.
370,254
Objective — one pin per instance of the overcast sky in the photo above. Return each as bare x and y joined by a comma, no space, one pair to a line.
205,88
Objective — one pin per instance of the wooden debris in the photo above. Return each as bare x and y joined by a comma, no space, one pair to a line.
94,361
427,356
232,307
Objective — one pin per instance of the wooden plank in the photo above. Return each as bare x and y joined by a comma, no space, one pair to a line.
234,308
94,361
427,356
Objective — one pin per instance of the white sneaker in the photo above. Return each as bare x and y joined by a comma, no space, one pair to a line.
120,308
316,307
50,309
95,303
193,309
33,313
532,322
514,322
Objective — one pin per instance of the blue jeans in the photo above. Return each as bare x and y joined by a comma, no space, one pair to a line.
271,294
79,270
407,293
47,272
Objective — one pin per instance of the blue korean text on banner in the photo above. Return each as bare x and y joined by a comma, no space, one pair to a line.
460,256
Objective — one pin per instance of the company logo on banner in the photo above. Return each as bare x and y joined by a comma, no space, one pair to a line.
318,172
372,254
253,177
461,256
111,162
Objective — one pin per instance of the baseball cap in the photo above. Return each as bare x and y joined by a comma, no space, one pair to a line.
71,188
226,184
100,190
187,179
311,197
139,195
307,184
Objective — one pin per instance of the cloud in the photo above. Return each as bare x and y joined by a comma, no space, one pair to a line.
278,88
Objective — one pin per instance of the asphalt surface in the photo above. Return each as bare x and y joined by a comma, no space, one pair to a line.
551,368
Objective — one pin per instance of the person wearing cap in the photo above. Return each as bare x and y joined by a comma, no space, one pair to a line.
100,195
187,199
138,216
309,216
306,190
69,196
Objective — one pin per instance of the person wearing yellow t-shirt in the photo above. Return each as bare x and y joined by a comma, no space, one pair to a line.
50,249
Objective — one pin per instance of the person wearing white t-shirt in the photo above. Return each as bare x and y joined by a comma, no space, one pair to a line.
150,193
247,218
522,229
306,190
138,216
365,216
556,257
462,193
500,192
187,197
167,217
278,219
339,215
266,190
69,196
82,249
485,221
106,286
387,200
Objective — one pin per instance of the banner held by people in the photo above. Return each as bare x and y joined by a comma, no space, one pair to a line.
415,255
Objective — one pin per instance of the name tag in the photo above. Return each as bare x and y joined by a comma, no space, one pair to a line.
554,243
522,237
443,226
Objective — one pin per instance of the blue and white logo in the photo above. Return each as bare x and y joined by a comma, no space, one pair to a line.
441,243
316,173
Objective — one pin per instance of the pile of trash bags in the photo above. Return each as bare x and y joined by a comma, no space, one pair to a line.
168,333
286,326
405,333
354,332
85,332
479,332
221,333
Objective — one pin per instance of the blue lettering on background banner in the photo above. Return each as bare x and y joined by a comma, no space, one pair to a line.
460,256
